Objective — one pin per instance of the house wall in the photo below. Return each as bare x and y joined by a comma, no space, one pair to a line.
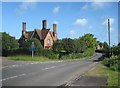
48,38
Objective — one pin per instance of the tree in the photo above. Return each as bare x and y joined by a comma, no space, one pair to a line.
9,43
68,45
116,50
106,49
87,41
37,44
57,46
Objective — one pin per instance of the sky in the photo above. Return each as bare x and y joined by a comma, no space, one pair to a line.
73,19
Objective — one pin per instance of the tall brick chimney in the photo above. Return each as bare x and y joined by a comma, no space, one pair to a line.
54,28
44,24
23,27
55,31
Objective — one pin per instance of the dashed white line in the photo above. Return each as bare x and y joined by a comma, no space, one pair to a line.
49,68
12,77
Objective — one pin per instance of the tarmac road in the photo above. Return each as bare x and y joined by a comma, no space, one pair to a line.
20,73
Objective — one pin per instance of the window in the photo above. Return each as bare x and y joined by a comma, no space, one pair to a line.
48,41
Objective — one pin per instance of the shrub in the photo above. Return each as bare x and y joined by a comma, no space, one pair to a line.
89,52
47,53
112,63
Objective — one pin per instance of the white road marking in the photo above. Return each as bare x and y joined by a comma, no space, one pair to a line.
49,68
12,77
11,66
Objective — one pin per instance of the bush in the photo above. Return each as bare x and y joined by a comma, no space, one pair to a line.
47,53
112,63
89,52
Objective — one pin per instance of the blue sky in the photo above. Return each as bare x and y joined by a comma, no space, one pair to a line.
74,19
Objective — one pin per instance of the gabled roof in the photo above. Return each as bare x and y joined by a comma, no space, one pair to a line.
44,33
38,31
28,34
41,33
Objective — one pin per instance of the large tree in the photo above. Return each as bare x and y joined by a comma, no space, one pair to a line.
8,43
88,41
57,46
68,45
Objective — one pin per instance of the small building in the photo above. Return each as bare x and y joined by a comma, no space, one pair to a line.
44,35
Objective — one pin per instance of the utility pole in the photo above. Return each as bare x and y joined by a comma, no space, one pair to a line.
109,37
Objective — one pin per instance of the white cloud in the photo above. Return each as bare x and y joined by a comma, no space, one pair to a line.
25,6
81,22
72,32
56,9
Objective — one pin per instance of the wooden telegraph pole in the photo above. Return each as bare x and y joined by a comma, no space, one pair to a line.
109,37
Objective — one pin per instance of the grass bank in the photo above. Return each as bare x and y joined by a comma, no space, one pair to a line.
29,58
101,70
40,58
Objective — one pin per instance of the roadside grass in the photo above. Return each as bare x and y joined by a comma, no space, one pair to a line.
101,70
40,58
29,58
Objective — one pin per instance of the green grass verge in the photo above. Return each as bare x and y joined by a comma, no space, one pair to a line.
29,58
39,58
101,70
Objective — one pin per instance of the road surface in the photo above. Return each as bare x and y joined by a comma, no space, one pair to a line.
20,73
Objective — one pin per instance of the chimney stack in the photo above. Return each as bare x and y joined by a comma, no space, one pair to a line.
44,24
54,28
23,27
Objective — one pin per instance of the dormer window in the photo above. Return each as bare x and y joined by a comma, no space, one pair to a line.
48,41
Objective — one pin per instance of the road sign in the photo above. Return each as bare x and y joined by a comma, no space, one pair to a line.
32,49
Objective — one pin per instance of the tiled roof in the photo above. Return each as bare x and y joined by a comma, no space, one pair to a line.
41,33
28,34
44,33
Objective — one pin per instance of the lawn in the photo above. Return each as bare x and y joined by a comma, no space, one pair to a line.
101,70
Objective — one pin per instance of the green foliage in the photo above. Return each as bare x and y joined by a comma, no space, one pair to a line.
105,49
88,41
48,53
8,43
112,63
68,45
29,58
76,45
89,52
57,46
116,50
27,45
